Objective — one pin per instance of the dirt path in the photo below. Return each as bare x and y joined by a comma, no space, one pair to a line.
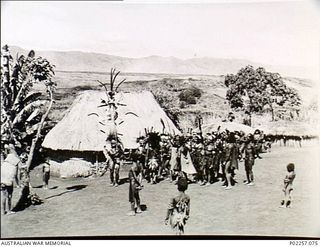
90,207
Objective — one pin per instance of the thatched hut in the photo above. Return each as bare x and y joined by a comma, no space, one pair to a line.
290,128
79,133
231,126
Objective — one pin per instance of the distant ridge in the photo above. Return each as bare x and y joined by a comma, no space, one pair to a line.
98,62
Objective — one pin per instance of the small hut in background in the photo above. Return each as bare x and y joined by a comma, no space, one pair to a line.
231,126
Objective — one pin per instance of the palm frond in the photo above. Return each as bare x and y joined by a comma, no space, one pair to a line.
27,110
111,77
120,84
104,85
114,79
31,97
34,114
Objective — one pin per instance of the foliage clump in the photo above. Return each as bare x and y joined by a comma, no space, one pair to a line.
25,107
190,95
256,90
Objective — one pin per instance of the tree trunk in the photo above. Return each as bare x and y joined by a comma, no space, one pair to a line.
25,192
6,72
250,120
35,140
17,99
272,112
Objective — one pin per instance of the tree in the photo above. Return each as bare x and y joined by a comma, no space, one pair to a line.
24,109
254,90
190,95
168,102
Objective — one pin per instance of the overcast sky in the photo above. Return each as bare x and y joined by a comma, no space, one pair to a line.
280,33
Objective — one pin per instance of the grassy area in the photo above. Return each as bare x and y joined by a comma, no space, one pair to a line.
90,207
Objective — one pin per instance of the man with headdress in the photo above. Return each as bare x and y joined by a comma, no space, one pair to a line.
257,137
219,154
197,155
164,156
174,161
114,157
211,171
141,154
231,158
186,162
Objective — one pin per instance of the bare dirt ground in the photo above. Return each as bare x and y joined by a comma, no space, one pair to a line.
90,207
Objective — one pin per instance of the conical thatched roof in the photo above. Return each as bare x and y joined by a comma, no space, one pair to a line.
80,131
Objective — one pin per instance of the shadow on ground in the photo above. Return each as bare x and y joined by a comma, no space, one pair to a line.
69,189
143,207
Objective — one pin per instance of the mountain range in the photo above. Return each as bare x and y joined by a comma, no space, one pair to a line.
98,62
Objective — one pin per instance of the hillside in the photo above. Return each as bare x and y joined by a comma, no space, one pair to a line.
211,104
97,62
70,79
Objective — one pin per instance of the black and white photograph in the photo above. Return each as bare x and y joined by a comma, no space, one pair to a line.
160,120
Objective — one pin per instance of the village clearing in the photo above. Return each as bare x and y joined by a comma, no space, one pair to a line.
87,207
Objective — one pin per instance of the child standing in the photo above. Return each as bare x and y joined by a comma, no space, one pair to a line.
288,186
179,208
46,173
135,178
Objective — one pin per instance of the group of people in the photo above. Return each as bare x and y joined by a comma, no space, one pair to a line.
202,159
181,159
185,159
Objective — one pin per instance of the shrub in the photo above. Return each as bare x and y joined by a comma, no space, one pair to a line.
190,95
182,105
